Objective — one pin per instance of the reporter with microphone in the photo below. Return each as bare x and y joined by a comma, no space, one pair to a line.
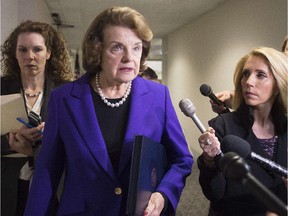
260,118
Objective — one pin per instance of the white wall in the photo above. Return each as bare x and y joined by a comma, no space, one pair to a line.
207,50
7,21
13,12
34,10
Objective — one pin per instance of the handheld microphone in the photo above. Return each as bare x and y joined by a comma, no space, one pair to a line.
235,167
189,110
206,90
231,143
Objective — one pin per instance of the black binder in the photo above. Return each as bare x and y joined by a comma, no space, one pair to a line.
149,164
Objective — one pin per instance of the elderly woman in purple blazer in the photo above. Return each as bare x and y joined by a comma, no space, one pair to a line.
92,122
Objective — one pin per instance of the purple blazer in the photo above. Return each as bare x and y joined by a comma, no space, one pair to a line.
73,141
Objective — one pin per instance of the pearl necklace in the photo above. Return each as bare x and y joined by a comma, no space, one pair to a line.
33,95
127,92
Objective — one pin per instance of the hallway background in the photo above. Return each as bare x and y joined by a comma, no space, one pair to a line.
204,50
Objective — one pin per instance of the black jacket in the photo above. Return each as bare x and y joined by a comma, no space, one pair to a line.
10,167
229,197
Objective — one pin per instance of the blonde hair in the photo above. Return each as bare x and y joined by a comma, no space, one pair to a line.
115,16
283,48
278,65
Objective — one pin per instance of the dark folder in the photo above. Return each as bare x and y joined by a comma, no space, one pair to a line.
149,164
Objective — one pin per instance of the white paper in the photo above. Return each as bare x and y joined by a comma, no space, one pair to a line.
12,107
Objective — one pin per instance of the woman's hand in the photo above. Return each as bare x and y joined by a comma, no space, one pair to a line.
155,205
22,140
20,144
32,134
210,144
225,96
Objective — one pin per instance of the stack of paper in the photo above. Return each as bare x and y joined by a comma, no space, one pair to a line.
12,106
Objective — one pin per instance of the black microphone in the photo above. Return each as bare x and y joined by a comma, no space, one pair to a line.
206,90
235,167
189,110
231,143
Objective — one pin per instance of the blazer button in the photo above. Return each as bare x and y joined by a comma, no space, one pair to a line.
118,191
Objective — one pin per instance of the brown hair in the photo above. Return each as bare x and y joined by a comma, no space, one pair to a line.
58,67
150,73
117,16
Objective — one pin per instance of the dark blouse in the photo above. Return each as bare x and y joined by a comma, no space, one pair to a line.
112,122
269,147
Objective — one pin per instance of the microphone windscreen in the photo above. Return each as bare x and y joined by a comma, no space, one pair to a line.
232,143
233,166
187,107
205,90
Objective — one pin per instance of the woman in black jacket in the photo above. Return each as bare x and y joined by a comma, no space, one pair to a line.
35,59
260,118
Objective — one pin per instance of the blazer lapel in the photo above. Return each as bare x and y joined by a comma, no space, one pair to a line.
83,114
141,99
88,127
